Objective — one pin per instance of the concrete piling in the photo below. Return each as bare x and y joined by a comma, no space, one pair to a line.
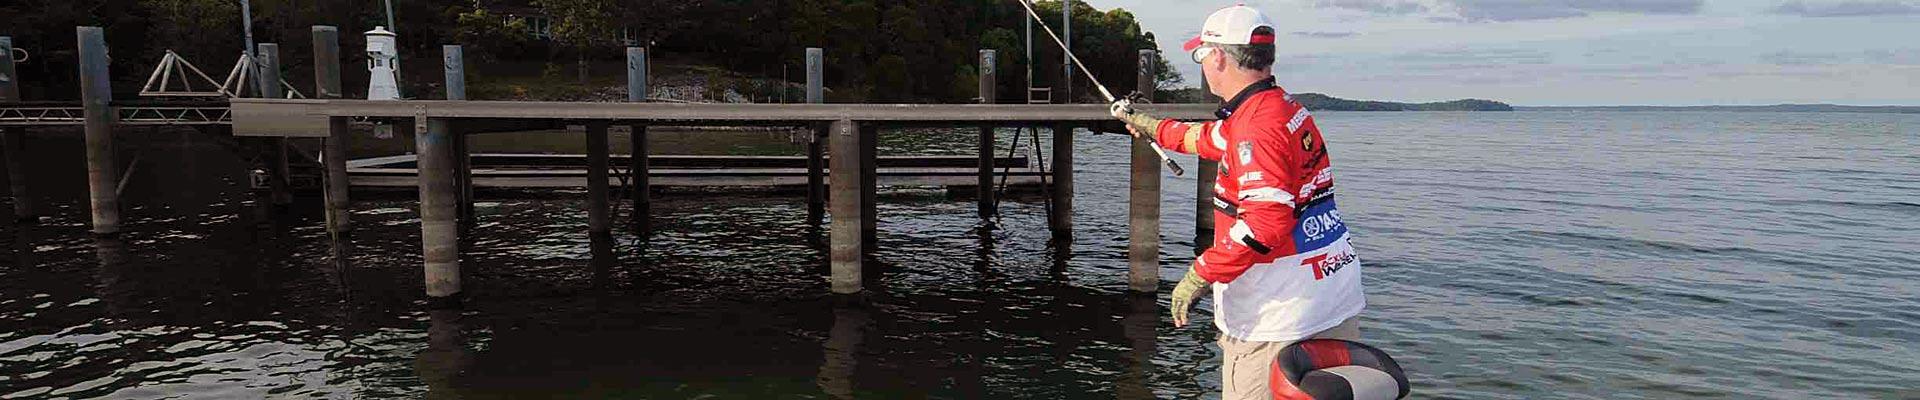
439,229
641,189
816,154
333,150
453,62
869,185
1061,221
1203,194
95,94
278,163
1143,200
847,239
15,138
987,96
599,222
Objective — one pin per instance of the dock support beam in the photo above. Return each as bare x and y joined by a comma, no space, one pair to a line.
987,96
1143,200
1203,193
598,220
15,139
639,167
333,151
278,164
869,185
95,94
816,154
439,230
454,62
1062,217
847,239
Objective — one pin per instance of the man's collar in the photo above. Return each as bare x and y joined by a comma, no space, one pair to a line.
1226,109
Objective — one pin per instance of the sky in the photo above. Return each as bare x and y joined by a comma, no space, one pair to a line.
1577,52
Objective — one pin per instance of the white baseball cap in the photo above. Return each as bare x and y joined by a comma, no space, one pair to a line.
1231,25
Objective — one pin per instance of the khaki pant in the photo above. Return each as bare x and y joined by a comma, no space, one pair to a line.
1247,364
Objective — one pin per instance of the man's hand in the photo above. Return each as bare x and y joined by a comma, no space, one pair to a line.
1185,294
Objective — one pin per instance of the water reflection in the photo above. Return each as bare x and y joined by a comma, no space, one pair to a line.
446,357
1140,327
840,352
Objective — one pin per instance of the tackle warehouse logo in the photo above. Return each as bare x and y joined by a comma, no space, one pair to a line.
1325,265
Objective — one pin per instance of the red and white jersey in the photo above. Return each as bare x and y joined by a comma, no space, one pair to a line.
1281,263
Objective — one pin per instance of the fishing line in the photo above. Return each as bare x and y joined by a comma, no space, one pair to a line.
1177,171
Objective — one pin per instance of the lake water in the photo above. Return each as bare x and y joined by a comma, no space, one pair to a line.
1516,255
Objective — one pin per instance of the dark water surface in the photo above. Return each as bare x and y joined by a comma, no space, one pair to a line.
1508,255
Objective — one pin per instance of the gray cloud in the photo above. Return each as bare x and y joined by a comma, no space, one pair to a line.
1895,56
1796,58
1326,35
1527,10
1850,8
1385,7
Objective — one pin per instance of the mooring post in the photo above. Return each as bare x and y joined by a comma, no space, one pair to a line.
439,228
333,151
816,154
869,185
597,219
278,166
15,139
454,62
847,241
638,164
1062,218
1143,199
1203,194
95,93
987,96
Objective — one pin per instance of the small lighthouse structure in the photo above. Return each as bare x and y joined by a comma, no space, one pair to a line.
383,60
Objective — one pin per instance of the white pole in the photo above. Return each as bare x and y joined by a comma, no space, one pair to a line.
1066,28
390,26
246,23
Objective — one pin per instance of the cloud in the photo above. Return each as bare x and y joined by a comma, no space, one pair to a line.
1795,58
1382,7
1895,56
1528,10
1326,35
1850,8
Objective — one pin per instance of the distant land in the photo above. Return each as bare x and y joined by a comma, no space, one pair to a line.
1321,102
1771,108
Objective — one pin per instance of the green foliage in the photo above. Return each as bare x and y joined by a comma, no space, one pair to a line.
1316,101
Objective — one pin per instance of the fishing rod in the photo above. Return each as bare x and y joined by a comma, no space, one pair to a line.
1177,171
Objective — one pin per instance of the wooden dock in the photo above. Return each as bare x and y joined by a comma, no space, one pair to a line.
570,171
841,148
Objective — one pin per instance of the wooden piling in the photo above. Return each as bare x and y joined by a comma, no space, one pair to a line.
439,229
15,139
987,96
1143,200
95,94
278,163
333,150
816,154
598,220
1061,222
641,190
1203,193
847,239
453,61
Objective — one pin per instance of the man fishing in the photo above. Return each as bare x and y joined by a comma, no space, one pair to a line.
1280,268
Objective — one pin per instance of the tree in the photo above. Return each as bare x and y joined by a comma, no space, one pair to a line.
582,24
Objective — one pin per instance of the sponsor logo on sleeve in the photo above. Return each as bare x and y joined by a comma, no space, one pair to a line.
1254,176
